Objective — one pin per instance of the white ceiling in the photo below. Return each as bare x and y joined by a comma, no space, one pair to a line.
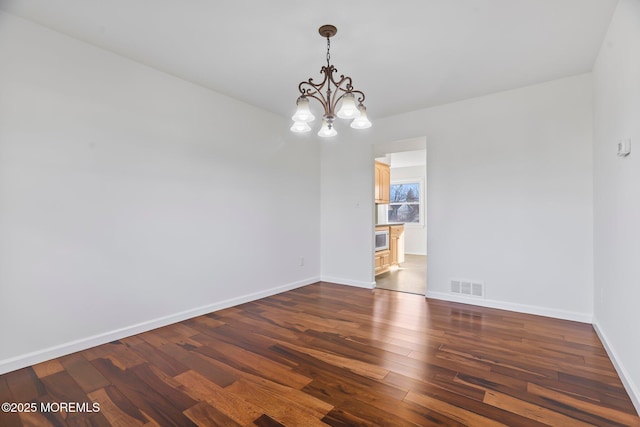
404,55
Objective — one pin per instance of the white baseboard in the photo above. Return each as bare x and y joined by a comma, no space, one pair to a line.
24,360
629,385
520,308
349,282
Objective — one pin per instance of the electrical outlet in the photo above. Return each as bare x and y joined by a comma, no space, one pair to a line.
301,261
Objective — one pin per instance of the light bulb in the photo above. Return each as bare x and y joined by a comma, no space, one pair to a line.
348,110
303,113
300,127
326,131
362,122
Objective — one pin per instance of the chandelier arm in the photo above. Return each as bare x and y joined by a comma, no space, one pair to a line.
333,102
313,87
328,80
348,88
339,91
339,83
320,99
316,86
336,99
329,105
360,95
315,92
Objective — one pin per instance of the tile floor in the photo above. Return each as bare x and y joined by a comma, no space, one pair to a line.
410,277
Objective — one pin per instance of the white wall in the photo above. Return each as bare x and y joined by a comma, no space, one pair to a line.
509,184
347,208
415,235
617,193
130,198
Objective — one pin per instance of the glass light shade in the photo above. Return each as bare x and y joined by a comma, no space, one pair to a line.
326,131
348,109
300,127
303,113
362,122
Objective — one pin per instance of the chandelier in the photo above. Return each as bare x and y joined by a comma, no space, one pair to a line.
329,92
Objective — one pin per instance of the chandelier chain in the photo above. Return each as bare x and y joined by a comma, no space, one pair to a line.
328,51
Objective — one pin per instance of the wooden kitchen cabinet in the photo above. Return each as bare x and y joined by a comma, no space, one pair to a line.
382,261
382,183
395,233
389,257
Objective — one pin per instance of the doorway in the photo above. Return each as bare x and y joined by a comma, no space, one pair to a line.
407,205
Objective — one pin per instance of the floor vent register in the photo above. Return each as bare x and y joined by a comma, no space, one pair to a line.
470,288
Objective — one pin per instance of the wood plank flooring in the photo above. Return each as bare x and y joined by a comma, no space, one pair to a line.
335,355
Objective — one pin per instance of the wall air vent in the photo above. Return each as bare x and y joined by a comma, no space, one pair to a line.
472,288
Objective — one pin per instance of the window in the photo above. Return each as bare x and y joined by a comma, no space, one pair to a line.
406,202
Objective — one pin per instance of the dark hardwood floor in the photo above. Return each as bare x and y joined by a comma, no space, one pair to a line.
337,355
